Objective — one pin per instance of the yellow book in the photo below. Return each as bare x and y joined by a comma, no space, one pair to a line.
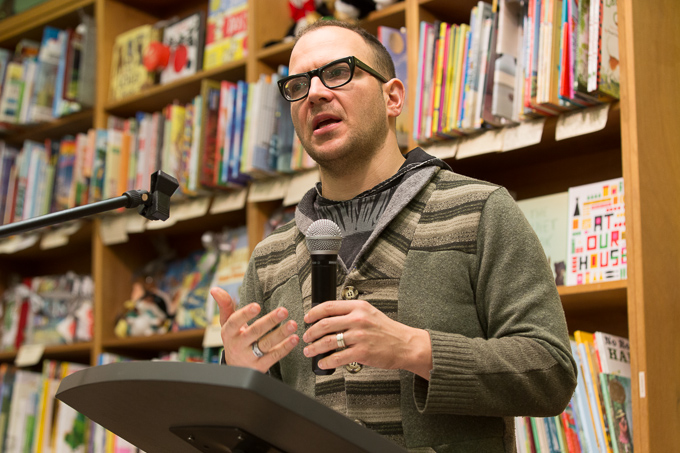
458,77
452,35
438,78
128,74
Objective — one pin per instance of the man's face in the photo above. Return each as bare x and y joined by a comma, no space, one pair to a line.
345,125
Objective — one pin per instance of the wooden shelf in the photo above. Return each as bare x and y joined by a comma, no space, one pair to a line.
60,127
30,24
392,16
551,166
595,295
76,352
154,99
157,343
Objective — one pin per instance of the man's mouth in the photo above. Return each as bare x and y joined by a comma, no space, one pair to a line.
323,121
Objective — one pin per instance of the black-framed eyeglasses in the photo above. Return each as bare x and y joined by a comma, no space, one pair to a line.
333,75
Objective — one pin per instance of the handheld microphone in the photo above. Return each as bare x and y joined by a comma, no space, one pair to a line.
323,242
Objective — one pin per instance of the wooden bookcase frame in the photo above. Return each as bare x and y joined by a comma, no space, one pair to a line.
640,143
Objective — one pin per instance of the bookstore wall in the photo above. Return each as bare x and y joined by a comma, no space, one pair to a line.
566,103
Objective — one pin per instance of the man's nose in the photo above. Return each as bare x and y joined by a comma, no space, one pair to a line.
318,91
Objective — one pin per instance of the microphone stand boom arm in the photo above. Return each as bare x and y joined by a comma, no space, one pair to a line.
153,204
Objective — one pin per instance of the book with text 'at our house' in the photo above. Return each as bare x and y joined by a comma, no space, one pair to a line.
596,241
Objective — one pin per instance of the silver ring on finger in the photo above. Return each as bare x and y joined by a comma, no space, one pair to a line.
340,339
256,350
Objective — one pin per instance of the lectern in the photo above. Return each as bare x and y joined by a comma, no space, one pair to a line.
177,407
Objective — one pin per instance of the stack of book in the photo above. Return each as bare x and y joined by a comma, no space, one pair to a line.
514,61
45,80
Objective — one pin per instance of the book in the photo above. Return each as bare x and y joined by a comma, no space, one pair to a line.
547,215
8,156
128,73
609,74
71,428
184,39
596,248
191,312
617,396
586,351
22,410
210,110
51,53
226,32
12,91
613,354
230,270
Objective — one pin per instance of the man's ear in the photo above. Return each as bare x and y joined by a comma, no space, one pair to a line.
395,95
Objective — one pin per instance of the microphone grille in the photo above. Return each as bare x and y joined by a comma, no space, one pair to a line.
324,237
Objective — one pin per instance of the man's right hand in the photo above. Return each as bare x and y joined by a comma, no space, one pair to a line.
238,337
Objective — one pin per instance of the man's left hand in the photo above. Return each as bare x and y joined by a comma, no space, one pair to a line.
371,338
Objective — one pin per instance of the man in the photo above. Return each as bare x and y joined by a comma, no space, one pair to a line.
449,322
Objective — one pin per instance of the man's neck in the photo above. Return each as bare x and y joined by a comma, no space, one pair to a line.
347,186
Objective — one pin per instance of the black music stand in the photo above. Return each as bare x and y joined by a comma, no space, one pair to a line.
170,407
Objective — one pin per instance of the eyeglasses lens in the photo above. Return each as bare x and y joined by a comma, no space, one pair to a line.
332,76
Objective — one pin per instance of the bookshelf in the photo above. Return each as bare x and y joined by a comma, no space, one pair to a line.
640,143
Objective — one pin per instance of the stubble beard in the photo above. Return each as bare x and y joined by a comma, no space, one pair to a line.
360,147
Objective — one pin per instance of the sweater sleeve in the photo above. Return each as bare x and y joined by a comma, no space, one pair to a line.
524,366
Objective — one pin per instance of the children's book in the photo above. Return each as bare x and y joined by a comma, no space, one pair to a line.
128,73
596,247
226,32
191,312
231,267
12,91
185,41
51,53
613,354
210,111
617,396
547,215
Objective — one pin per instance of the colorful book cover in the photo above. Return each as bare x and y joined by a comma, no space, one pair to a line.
548,216
71,427
59,105
128,73
506,65
569,420
210,96
239,139
225,121
609,73
42,102
193,294
8,156
12,91
99,165
586,351
583,47
594,44
185,41
22,410
231,267
596,248
613,354
64,174
395,42
617,395
226,32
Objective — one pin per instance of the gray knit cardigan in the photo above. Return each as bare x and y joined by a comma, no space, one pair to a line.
455,257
